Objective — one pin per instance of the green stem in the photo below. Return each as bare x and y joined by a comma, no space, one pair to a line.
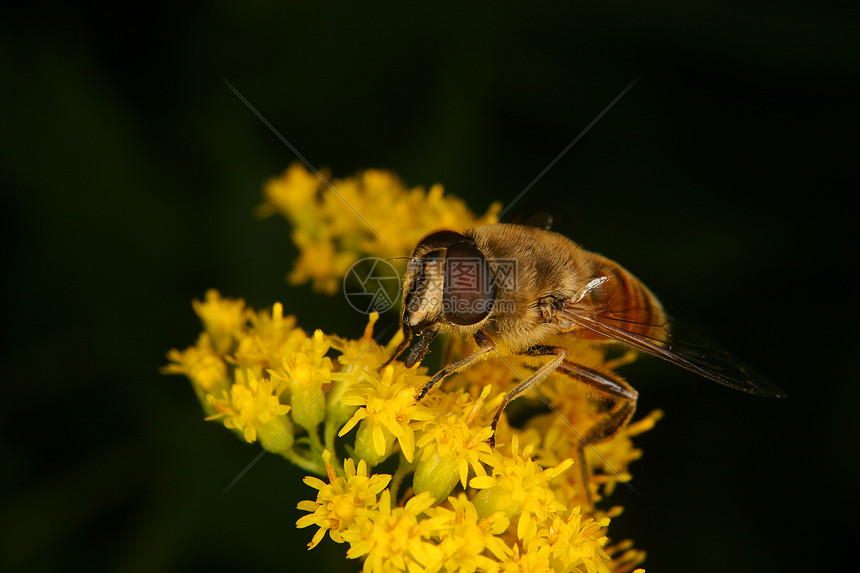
315,443
314,466
403,468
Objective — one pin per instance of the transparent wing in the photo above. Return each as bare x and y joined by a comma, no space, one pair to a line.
674,343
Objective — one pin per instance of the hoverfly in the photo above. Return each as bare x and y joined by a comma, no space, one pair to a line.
461,283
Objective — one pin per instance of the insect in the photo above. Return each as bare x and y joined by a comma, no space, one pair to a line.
524,290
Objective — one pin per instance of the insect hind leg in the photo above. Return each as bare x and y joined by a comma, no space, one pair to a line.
621,400
611,388
620,396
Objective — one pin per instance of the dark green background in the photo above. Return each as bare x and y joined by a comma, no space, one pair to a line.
130,172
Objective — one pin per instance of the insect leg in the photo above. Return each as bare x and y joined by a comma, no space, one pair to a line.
458,366
611,388
622,398
541,373
421,347
407,340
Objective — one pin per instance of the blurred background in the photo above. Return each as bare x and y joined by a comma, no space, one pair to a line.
724,178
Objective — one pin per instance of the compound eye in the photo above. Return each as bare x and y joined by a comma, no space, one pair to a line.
440,240
469,294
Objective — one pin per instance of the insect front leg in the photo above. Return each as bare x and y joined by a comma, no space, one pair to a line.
481,354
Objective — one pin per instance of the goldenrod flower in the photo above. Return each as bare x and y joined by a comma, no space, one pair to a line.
338,502
269,336
357,358
363,355
467,541
624,557
610,460
535,559
449,502
201,364
519,487
395,539
252,409
576,541
451,444
370,214
303,373
222,319
295,193
319,262
387,414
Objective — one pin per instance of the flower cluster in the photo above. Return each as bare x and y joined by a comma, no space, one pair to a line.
409,485
338,222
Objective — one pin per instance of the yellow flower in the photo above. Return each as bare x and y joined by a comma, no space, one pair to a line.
320,262
294,193
251,409
201,364
357,358
222,318
270,336
395,539
388,408
536,559
611,459
561,433
303,374
576,541
625,558
465,538
451,444
363,355
369,214
518,486
339,501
